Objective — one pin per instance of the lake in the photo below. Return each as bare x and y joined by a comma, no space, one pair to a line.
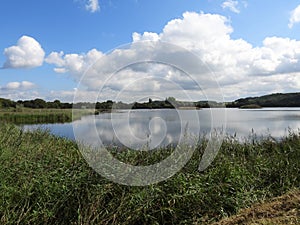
153,128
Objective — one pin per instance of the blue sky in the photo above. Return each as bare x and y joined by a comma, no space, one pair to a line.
78,26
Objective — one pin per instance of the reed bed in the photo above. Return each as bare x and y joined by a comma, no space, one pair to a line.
45,180
39,116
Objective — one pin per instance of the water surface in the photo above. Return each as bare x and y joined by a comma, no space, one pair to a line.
137,128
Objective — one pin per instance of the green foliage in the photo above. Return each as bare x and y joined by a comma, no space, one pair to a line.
45,180
273,100
36,116
41,104
6,103
21,118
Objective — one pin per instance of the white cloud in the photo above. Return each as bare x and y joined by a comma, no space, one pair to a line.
283,54
92,5
75,64
15,86
240,68
147,36
55,58
27,85
12,88
295,17
19,91
231,5
21,95
28,53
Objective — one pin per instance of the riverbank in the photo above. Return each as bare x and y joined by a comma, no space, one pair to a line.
45,180
39,116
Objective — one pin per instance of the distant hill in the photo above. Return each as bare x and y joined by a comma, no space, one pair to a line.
272,100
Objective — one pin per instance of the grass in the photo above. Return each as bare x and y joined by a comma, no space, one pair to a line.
45,180
36,116
281,210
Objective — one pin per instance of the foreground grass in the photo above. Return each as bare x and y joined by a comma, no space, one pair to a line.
36,116
45,180
281,210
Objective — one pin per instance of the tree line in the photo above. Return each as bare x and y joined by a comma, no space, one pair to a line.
273,100
34,104
169,102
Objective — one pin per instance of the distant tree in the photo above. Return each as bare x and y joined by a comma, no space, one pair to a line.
39,103
170,102
6,103
54,105
66,105
57,104
28,104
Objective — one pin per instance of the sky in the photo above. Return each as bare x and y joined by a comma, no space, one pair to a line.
129,50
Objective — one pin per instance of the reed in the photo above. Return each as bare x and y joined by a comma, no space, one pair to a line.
39,116
45,180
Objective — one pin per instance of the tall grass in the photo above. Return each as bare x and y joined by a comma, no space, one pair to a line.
45,180
37,116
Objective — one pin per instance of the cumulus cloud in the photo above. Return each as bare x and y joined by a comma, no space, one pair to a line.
92,5
231,5
295,17
12,86
56,58
75,64
24,85
226,55
147,36
240,68
28,53
27,85
22,95
19,90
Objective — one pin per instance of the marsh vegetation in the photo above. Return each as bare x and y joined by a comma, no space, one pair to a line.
45,180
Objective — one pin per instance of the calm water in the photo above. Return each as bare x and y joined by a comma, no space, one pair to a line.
154,128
